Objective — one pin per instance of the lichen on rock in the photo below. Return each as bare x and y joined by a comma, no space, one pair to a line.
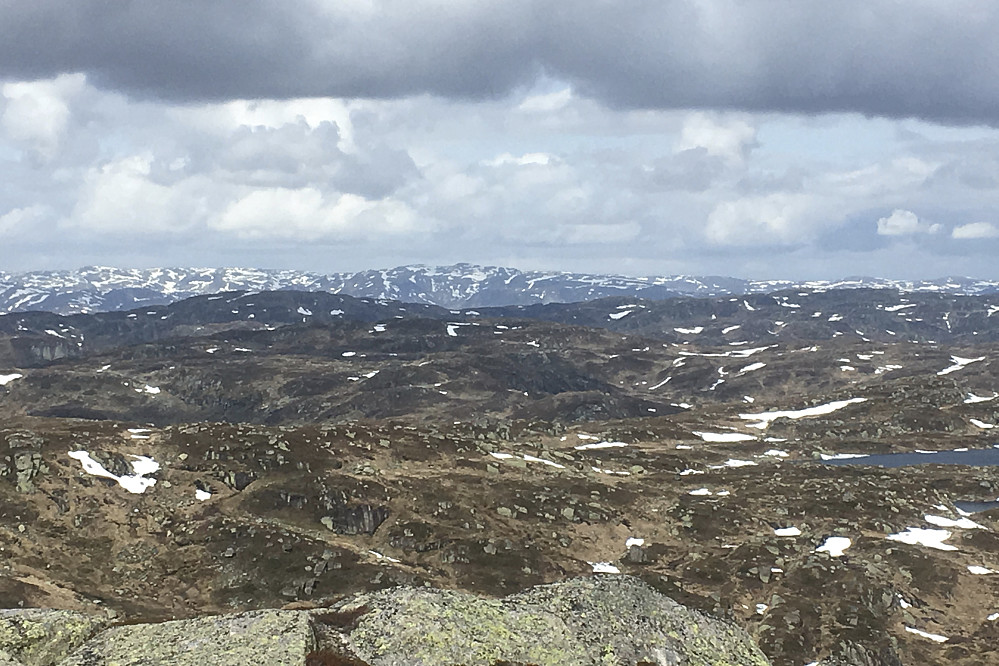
43,637
275,638
598,620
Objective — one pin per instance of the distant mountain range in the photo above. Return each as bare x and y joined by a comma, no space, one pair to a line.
98,289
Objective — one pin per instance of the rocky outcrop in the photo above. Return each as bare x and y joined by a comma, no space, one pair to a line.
275,638
42,637
852,654
599,620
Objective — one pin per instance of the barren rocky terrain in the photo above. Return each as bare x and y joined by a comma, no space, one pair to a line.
254,450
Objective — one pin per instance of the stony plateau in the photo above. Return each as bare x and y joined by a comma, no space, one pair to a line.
241,452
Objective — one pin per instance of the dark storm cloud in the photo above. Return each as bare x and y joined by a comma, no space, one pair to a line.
221,49
923,58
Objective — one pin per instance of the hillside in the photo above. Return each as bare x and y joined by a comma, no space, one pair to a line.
249,450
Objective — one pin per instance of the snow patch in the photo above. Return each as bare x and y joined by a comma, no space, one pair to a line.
600,445
598,470
841,456
917,536
136,483
526,458
7,379
835,546
604,567
724,436
962,523
735,462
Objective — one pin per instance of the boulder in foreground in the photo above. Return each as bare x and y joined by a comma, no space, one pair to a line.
275,638
598,620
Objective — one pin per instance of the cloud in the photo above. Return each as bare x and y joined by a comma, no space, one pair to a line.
134,196
36,113
546,103
975,230
730,139
775,219
306,214
544,177
923,58
904,223
21,220
520,160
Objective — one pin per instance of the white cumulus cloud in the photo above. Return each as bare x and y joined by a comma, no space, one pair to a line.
36,113
307,214
775,219
124,196
976,230
904,223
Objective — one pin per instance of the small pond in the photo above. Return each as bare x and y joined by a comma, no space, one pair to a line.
970,457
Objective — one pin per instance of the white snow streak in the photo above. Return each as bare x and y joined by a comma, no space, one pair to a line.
936,638
724,436
764,418
959,363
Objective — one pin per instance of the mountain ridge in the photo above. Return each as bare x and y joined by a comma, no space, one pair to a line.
100,288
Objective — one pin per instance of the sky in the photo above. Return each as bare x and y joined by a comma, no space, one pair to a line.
761,139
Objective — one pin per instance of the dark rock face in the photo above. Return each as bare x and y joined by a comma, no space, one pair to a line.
851,654
362,519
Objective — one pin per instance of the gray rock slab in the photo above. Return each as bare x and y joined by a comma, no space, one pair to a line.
276,638
43,637
598,620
